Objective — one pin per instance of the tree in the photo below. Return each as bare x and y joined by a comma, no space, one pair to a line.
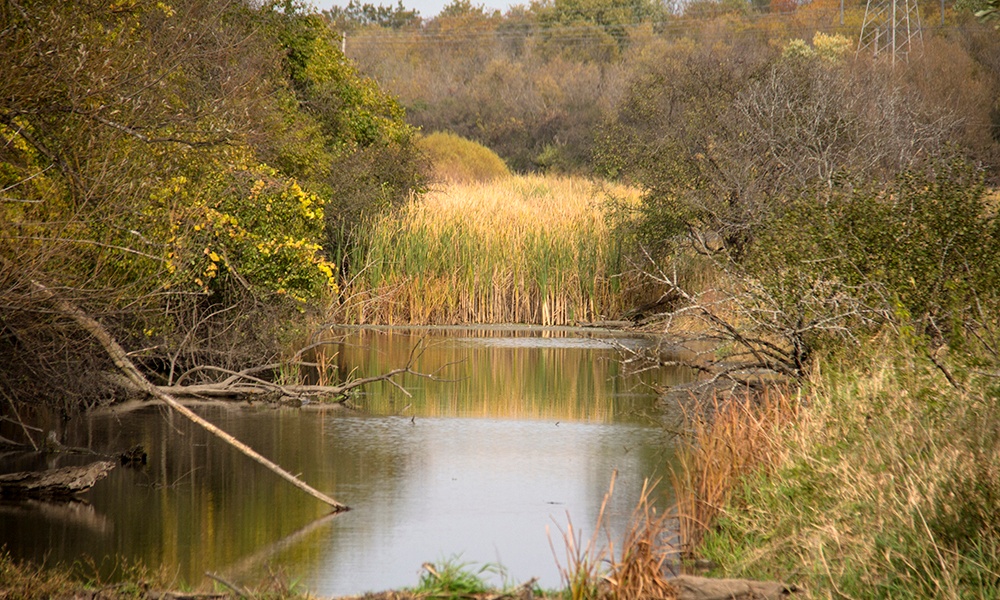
723,143
828,196
614,16
357,15
172,170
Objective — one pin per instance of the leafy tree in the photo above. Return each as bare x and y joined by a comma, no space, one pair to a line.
357,15
584,18
724,142
367,159
172,170
914,250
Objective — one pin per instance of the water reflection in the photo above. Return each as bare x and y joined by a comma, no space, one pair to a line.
545,420
511,373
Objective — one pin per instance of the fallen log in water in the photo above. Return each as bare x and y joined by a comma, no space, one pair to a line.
130,371
61,483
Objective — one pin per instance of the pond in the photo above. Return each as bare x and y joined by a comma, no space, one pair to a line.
522,431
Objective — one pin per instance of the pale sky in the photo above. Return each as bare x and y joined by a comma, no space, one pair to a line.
427,8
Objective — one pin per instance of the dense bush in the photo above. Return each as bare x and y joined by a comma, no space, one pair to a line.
835,193
918,249
173,170
460,160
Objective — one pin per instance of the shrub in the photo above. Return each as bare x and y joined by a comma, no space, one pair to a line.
459,160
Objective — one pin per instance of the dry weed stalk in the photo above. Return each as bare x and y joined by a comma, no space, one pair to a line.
729,438
638,573
581,572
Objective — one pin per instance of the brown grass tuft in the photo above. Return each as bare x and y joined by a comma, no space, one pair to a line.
638,573
728,439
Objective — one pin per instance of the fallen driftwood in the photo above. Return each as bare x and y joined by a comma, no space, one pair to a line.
61,483
690,587
129,370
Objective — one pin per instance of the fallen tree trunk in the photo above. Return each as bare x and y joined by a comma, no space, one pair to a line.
231,389
690,587
128,368
61,483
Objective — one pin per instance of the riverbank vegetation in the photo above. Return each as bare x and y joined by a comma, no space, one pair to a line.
883,483
176,170
855,242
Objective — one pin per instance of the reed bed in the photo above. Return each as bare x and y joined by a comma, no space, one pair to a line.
526,249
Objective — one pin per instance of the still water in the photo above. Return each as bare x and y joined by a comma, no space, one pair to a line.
525,427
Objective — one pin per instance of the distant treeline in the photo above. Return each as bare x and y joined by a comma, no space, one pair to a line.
538,83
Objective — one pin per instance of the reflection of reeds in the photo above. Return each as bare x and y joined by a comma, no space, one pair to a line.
560,383
518,250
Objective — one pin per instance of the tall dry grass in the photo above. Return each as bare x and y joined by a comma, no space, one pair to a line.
531,249
728,440
884,482
637,571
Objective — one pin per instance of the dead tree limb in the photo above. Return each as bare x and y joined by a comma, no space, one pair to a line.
128,368
62,483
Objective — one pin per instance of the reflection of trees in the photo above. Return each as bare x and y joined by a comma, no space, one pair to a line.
198,505
67,514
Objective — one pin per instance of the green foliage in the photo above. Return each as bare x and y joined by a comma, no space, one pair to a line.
612,17
451,579
140,188
458,159
367,161
356,15
914,248
464,9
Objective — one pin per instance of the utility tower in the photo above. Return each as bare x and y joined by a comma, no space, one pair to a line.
891,28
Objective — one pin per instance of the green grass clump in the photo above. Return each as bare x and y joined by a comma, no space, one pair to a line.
452,579
888,486
457,159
